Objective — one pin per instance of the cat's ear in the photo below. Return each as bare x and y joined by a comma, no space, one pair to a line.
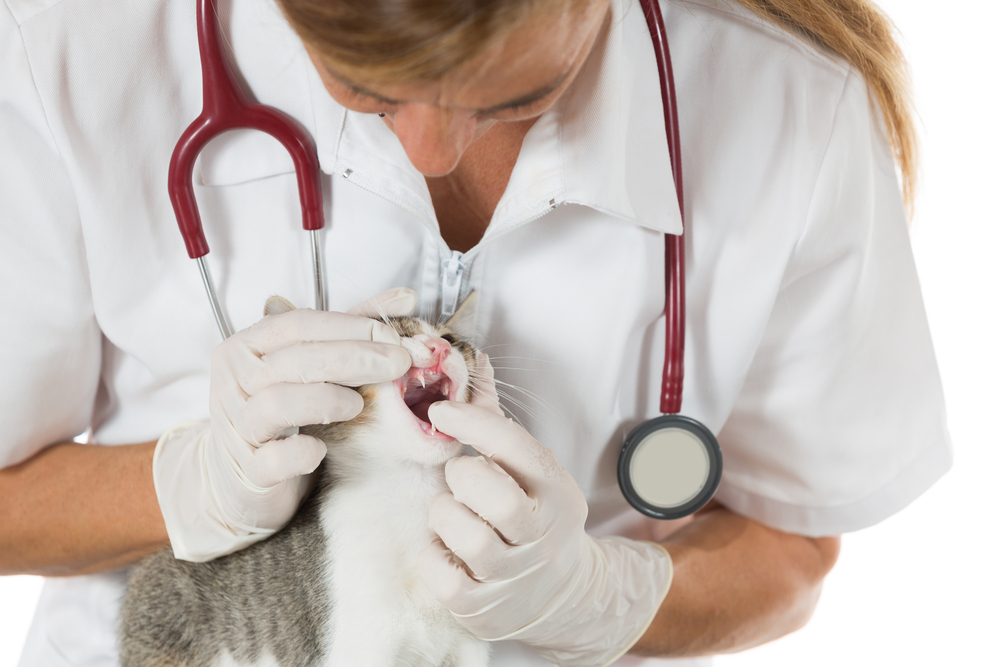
277,305
463,322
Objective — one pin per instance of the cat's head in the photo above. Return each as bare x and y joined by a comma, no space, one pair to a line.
393,426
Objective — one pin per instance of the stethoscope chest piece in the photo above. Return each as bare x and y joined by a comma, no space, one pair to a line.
669,467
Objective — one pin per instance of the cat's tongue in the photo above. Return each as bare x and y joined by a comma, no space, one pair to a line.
422,387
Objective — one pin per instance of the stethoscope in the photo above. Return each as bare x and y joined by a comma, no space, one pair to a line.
669,467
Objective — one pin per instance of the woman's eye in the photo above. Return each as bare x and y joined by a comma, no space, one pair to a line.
363,102
509,113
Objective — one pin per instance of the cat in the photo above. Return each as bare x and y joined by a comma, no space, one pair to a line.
338,585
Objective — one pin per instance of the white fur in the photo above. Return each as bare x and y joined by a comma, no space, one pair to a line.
376,523
226,660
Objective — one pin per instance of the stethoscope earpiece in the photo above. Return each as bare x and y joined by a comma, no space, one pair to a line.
669,467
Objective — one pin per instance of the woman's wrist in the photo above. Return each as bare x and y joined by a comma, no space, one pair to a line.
737,584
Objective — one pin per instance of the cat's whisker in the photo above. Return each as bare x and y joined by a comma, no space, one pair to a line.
383,314
524,391
505,357
535,359
479,391
380,309
502,368
519,403
513,415
478,375
513,368
494,346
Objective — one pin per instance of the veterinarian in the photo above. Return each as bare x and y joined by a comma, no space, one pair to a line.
520,152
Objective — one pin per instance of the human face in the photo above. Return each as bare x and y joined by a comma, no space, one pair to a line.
518,78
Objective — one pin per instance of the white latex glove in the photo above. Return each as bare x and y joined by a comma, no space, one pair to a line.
513,560
226,483
484,391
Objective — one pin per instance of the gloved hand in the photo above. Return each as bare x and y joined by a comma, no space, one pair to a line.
513,560
226,483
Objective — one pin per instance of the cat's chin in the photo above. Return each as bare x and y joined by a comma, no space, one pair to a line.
441,453
433,446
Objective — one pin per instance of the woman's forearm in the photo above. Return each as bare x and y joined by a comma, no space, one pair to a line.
77,509
737,584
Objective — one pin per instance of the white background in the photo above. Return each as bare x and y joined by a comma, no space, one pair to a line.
921,588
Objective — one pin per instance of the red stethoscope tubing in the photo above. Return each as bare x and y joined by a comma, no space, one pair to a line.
225,107
673,363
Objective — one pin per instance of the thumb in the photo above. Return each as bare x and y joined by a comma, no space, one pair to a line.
443,573
484,386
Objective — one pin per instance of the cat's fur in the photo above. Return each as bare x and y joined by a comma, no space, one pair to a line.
338,585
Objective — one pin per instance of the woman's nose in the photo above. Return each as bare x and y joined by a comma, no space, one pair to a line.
434,137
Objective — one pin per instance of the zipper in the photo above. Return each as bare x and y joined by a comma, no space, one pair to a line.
452,272
453,268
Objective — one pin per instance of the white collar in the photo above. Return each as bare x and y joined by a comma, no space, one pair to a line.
603,145
606,139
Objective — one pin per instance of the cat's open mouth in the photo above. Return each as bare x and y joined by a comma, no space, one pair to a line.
421,387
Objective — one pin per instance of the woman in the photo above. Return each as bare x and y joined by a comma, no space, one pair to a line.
522,148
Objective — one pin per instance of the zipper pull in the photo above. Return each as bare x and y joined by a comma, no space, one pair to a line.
451,283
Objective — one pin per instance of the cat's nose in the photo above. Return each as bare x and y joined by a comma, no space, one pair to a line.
438,348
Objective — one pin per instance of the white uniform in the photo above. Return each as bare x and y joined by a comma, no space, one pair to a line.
808,351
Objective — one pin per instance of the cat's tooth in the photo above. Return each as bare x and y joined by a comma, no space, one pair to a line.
433,430
423,384
446,389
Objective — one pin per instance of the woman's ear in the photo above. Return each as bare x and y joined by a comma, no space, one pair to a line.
277,305
463,322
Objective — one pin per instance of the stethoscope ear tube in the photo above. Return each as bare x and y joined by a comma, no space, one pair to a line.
226,107
669,467
675,306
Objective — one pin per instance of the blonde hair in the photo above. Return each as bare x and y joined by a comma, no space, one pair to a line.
391,41
395,41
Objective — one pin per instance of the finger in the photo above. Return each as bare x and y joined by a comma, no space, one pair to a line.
349,363
274,332
446,578
279,460
484,388
469,538
395,302
498,438
489,492
281,405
